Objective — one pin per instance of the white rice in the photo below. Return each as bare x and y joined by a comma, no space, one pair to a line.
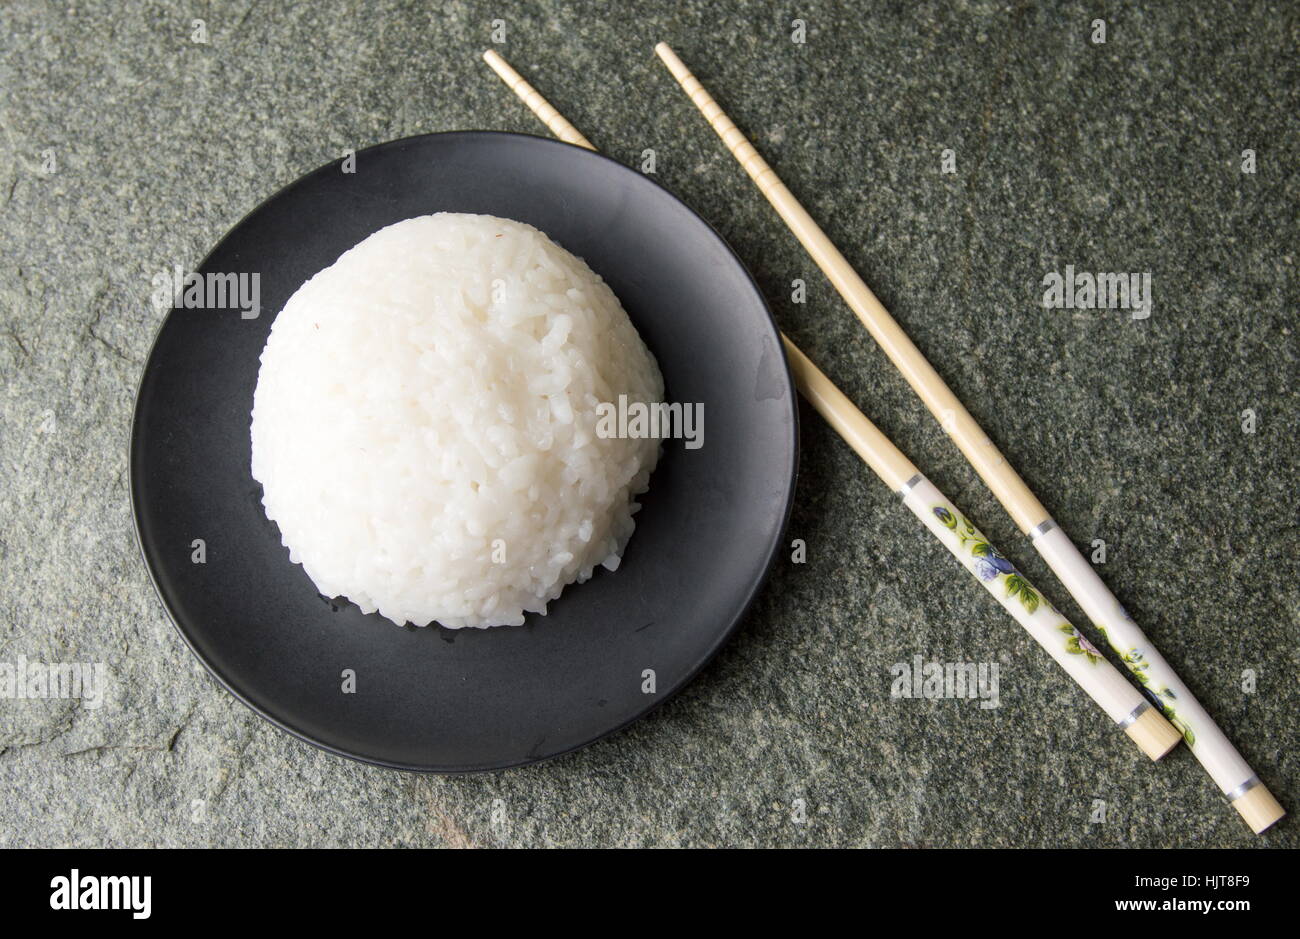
424,425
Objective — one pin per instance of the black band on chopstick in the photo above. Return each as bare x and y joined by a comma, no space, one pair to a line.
910,485
1042,528
1134,714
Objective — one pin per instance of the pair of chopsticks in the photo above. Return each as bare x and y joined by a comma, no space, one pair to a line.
1207,742
1117,697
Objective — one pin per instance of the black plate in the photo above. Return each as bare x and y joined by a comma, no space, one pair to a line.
445,700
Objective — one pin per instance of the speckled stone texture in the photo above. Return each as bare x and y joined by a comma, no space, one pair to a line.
1117,157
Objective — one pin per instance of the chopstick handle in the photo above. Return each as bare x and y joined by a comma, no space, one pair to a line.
1006,484
553,119
1089,669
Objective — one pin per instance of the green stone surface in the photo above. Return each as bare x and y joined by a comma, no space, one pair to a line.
1122,156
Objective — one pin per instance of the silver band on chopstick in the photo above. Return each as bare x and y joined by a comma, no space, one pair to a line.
910,485
1042,528
1244,788
1134,714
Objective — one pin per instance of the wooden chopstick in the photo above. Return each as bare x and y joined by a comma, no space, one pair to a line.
1236,779
1101,680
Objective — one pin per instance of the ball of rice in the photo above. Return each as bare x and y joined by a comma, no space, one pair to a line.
425,422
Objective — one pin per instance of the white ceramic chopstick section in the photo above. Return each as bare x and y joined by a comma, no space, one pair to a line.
1092,671
1235,778
1098,678
1221,760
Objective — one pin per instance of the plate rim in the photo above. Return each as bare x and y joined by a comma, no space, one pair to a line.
660,699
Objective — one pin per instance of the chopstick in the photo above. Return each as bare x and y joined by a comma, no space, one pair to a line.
1091,671
1238,782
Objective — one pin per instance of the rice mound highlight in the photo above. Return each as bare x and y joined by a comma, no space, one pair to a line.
424,424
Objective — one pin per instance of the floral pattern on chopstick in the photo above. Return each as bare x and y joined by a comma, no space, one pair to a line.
990,565
1137,664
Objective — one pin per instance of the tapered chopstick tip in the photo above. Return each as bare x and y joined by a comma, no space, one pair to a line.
670,59
503,69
